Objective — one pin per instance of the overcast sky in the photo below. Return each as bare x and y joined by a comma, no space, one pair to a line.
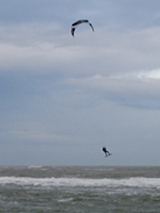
63,98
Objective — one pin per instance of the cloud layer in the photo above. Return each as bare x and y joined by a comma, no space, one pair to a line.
74,95
140,89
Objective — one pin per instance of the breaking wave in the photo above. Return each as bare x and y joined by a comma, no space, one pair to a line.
83,182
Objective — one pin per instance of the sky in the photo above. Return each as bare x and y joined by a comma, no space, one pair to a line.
62,98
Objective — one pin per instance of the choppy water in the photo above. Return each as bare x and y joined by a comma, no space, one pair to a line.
79,189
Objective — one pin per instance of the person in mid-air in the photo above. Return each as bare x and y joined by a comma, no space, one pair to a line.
107,153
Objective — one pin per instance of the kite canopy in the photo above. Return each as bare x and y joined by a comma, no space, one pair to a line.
77,23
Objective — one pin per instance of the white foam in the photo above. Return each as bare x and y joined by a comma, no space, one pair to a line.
84,182
65,200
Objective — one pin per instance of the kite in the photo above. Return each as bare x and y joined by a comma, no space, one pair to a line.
77,23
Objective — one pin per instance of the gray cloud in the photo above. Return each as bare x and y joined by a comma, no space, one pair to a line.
49,47
139,89
69,94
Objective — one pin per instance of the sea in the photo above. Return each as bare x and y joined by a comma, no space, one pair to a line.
79,189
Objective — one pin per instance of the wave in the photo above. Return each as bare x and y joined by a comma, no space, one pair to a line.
83,182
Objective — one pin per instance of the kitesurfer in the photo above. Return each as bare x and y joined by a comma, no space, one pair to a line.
107,153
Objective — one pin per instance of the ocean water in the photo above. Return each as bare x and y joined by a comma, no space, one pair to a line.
79,189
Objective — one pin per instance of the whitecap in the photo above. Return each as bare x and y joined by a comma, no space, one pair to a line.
83,182
65,200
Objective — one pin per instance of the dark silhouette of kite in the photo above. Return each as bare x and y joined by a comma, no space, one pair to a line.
77,23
